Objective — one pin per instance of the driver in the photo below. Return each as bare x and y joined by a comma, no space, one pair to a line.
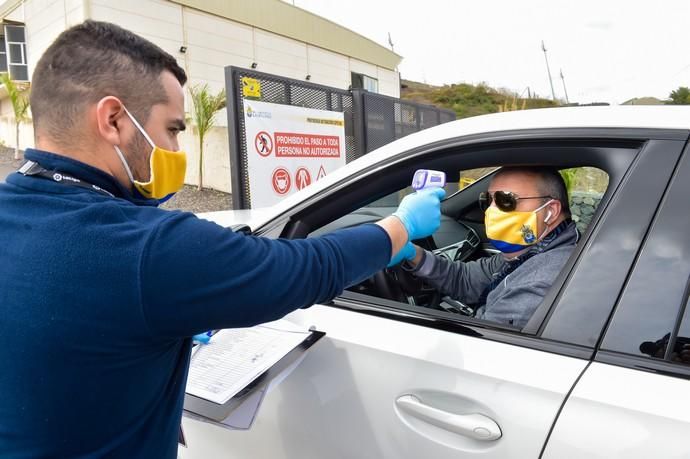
527,218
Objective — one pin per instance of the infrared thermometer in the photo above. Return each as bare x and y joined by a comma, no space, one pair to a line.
426,178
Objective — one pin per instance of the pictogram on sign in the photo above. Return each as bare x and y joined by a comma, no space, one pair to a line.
263,143
302,178
251,87
281,181
321,174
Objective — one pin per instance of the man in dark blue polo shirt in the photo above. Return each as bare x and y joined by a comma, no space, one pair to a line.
100,291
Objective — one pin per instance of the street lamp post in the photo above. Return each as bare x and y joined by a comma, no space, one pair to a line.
564,90
548,70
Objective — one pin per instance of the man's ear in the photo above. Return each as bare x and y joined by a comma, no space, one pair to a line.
110,113
553,211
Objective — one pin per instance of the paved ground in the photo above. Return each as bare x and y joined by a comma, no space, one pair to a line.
5,170
7,162
188,199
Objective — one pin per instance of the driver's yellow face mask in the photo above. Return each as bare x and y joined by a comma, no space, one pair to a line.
512,231
167,168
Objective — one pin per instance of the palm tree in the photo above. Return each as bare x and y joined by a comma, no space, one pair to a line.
19,96
206,105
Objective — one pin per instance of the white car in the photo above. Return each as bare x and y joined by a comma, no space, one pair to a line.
600,371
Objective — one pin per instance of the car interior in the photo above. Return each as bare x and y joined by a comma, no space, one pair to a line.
460,238
594,166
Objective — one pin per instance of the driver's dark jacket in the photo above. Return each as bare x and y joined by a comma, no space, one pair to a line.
515,298
100,295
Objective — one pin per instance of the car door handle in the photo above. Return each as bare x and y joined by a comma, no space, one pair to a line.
473,425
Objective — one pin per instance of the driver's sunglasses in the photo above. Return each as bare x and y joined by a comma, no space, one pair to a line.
506,201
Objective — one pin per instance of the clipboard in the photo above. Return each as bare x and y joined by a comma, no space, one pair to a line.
240,411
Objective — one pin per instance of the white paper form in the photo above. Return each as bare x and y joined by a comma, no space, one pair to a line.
235,357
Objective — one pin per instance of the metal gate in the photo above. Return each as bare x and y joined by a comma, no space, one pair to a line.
371,120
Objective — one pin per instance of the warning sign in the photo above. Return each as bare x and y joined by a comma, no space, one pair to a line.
263,143
302,178
251,87
281,181
289,147
306,145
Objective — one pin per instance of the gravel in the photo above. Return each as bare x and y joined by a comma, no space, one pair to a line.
188,199
191,200
7,157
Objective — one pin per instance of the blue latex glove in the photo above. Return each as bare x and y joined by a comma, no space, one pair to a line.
408,252
420,212
202,338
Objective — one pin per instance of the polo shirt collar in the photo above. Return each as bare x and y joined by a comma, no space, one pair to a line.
87,173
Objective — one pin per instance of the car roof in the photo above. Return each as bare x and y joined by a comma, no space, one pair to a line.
631,117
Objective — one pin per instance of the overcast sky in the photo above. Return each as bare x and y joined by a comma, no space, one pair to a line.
609,50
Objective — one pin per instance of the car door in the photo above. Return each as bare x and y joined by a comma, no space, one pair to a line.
389,381
632,401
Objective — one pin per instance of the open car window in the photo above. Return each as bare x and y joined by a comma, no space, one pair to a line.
461,238
602,165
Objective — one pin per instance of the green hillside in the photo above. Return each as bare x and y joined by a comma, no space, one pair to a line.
644,101
469,100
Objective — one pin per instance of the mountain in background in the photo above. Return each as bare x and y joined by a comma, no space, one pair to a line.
470,100
644,101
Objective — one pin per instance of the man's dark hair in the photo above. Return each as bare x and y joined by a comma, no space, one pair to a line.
549,183
90,61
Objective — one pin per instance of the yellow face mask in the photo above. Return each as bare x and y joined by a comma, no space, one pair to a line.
167,168
512,231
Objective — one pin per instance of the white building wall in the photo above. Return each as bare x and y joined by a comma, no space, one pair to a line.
44,20
212,44
364,68
280,56
17,15
156,20
328,68
216,158
7,128
389,82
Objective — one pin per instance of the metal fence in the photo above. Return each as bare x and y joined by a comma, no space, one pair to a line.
371,120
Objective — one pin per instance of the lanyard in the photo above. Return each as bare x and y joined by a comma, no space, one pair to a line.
33,169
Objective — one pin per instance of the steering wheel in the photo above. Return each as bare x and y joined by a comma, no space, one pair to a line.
386,287
397,284
459,251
